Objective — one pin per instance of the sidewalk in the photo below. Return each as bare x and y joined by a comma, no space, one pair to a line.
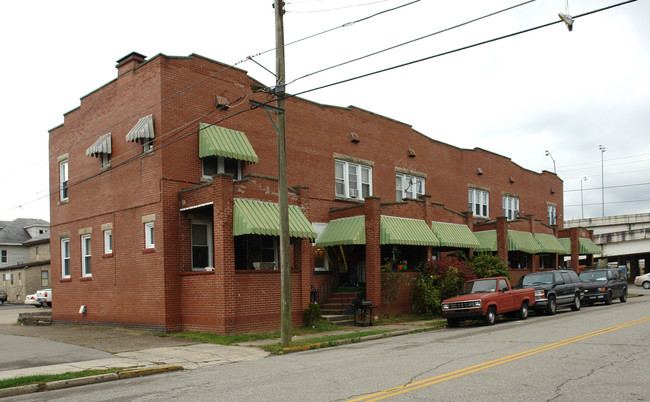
139,356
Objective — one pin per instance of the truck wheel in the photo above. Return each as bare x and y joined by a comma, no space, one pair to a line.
523,311
551,307
453,322
623,298
491,316
608,297
576,302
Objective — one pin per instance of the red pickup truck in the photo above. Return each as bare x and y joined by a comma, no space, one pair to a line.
486,298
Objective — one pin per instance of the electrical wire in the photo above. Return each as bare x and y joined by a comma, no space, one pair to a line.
411,41
345,81
338,8
608,187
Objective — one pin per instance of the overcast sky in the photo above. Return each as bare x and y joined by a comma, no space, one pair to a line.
549,89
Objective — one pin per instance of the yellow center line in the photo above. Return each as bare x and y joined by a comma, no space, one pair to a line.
402,389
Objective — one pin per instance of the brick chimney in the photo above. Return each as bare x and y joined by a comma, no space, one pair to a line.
129,62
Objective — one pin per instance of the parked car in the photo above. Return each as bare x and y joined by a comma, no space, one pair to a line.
485,299
553,289
33,300
643,280
3,297
45,297
603,285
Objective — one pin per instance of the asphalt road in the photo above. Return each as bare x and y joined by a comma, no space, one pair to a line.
600,352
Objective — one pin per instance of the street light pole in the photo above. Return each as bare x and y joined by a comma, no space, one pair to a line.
582,203
602,177
549,154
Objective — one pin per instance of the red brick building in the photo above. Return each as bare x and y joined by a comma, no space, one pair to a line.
167,190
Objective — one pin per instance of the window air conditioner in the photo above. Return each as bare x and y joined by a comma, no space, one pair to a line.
354,193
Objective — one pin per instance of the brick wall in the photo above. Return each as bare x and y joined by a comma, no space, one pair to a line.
149,288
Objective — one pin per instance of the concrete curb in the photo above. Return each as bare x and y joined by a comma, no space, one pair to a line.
94,379
327,344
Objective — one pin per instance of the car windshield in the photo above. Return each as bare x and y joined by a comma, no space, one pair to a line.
591,276
485,286
537,279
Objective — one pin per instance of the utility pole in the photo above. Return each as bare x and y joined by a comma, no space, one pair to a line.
285,269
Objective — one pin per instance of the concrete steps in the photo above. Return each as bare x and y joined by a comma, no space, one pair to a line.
339,319
38,318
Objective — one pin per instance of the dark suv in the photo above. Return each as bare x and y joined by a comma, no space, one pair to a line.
554,289
3,297
603,285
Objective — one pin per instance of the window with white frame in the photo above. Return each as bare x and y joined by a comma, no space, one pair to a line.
149,235
320,259
552,214
4,257
352,180
108,241
63,179
218,164
479,202
65,258
86,267
201,245
407,186
510,207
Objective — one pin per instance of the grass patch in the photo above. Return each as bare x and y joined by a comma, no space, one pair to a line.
41,379
322,342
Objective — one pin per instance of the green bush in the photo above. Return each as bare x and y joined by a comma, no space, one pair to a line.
488,265
426,296
311,315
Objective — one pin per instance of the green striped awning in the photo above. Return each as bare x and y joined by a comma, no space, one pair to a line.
412,232
344,231
220,141
454,235
263,218
487,240
523,241
549,243
586,246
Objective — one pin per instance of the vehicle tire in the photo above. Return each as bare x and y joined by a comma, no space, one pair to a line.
576,302
646,285
608,297
453,322
2,302
37,305
551,307
491,316
623,298
48,304
522,314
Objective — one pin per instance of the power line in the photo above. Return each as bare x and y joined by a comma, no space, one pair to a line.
609,203
410,41
609,187
344,81
337,8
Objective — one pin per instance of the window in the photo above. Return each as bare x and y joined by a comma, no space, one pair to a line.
65,258
256,252
201,245
108,241
552,214
3,256
408,187
217,164
63,177
45,279
85,256
479,202
510,207
503,285
320,259
149,235
352,180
